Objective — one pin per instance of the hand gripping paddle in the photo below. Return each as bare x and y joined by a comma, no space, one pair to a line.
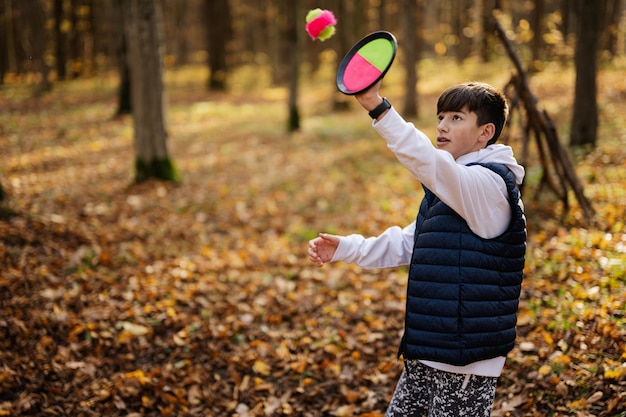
366,62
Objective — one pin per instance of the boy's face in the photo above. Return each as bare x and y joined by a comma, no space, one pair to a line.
459,134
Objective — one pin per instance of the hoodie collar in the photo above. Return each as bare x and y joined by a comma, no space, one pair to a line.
495,154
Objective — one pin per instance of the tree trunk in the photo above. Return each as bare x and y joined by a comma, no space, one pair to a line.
219,33
610,23
145,51
566,21
382,16
4,44
124,95
181,16
292,30
76,57
537,24
462,21
124,102
585,117
40,45
412,22
344,38
60,39
274,42
488,30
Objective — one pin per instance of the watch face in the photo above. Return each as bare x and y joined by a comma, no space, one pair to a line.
366,63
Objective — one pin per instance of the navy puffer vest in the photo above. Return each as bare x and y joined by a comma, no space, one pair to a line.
463,290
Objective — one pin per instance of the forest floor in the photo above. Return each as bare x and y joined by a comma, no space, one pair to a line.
198,299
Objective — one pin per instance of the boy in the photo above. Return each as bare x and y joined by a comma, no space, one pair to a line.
465,251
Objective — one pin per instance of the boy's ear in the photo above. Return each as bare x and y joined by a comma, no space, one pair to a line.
488,130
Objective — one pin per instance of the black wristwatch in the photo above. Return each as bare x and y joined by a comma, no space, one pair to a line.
380,109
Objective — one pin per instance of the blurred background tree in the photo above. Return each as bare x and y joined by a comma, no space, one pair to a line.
143,29
585,117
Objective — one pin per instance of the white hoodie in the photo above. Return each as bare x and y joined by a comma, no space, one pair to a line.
476,193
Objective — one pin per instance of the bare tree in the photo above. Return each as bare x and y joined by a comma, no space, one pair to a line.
145,54
292,31
462,22
488,30
124,104
412,21
81,37
39,44
219,32
585,116
555,161
60,39
5,21
610,21
536,44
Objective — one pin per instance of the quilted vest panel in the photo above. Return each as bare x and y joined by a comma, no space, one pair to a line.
463,290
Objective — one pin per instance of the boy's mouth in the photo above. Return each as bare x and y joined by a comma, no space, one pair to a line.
442,141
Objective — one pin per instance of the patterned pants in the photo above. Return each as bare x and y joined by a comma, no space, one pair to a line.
423,391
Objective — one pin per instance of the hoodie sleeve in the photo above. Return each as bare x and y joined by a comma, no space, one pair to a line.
476,193
391,248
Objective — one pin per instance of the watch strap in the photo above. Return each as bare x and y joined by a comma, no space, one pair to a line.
378,110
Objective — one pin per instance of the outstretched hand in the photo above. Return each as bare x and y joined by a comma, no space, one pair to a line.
322,248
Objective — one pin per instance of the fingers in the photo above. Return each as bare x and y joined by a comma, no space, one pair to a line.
313,252
322,248
331,239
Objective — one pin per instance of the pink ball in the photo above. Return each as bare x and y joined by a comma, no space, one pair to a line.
320,24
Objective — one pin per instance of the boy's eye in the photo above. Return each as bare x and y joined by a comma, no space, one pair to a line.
440,117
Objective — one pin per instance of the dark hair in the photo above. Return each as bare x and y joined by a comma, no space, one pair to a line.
489,104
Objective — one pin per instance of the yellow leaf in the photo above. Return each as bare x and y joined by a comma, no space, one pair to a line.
545,370
614,373
564,359
261,368
577,404
547,337
124,337
332,349
336,368
138,374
